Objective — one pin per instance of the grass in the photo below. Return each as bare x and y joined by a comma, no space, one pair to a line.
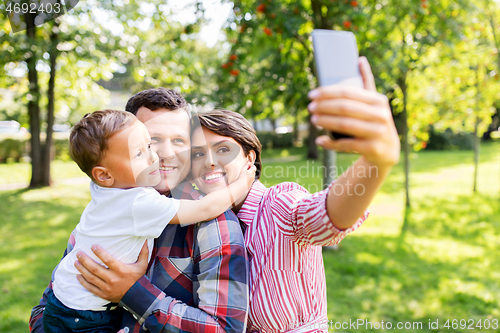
21,172
437,261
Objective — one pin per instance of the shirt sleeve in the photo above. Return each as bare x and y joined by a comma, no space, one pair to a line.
220,286
36,317
303,216
152,212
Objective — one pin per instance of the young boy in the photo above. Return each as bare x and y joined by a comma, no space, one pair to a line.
112,147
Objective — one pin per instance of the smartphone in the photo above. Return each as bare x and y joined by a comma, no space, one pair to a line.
336,56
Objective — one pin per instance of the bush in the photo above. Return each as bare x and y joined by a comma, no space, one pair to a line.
449,140
274,140
12,149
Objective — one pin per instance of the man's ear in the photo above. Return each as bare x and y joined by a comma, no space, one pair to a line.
102,176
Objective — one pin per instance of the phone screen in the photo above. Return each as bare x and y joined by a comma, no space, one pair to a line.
336,56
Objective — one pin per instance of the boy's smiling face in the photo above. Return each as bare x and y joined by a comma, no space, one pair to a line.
129,160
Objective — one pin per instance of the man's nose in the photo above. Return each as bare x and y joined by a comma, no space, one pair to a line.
166,151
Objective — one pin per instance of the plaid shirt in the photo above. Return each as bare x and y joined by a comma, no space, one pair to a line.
197,281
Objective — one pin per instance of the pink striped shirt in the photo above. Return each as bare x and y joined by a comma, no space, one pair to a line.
286,227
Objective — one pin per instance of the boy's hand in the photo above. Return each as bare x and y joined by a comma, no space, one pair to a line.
362,113
248,171
110,283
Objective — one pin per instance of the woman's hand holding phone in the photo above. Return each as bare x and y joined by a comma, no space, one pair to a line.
361,113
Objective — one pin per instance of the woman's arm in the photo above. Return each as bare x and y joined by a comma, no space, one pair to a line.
366,115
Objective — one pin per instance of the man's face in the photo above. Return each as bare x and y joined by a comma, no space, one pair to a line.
170,139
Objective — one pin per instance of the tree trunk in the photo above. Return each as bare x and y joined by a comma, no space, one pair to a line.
50,107
476,153
312,149
406,143
34,107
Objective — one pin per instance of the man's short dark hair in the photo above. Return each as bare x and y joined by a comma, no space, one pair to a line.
156,98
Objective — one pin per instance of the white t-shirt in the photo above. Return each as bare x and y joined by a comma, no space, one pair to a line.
120,221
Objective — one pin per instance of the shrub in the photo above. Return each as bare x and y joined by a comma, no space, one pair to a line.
12,149
274,140
449,140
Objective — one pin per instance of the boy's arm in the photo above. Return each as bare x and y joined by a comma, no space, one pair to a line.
36,317
217,202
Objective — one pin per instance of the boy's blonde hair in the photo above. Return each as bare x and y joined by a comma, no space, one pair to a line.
88,138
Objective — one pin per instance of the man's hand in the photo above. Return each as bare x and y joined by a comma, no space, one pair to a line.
113,282
362,113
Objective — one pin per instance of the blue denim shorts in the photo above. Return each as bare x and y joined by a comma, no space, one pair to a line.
58,318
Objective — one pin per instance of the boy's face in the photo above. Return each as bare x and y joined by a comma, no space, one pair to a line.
129,158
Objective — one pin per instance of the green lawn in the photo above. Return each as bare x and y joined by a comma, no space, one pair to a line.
440,262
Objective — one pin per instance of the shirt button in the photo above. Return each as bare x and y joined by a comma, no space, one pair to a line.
77,320
126,330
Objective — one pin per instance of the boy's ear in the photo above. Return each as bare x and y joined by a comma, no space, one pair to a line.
102,176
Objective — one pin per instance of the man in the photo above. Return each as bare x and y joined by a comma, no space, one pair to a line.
197,280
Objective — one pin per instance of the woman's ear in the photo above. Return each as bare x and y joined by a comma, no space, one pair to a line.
251,156
102,176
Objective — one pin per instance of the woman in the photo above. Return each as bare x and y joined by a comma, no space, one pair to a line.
285,225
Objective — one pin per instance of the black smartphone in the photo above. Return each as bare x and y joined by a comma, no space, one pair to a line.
336,56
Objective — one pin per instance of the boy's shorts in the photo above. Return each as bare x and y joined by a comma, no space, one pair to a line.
58,318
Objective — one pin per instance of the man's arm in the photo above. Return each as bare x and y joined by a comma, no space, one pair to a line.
36,317
220,287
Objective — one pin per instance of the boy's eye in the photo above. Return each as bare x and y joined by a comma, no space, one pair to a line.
149,146
139,154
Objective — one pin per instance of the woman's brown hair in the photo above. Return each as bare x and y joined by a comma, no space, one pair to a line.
233,125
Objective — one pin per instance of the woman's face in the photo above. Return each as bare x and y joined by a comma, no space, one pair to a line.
216,160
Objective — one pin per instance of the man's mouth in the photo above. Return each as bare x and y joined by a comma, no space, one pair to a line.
167,169
213,176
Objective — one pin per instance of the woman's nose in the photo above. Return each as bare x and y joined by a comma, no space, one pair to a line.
211,160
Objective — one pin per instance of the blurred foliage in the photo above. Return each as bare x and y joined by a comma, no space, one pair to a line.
12,149
275,140
449,140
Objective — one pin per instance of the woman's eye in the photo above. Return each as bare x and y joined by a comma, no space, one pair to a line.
139,154
223,150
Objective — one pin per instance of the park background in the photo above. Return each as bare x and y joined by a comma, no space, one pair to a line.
429,250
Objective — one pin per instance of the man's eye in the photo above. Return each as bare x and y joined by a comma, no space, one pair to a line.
155,139
197,154
178,141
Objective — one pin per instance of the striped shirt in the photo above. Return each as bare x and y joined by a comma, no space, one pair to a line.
286,227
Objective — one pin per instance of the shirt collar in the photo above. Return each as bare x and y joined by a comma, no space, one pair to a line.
251,205
185,190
